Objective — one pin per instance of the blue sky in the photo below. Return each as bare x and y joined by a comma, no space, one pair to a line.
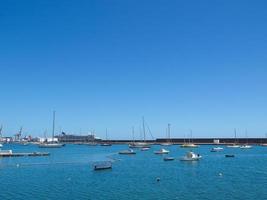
198,65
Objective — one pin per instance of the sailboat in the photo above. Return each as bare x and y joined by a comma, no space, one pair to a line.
262,143
51,144
143,144
168,143
1,128
106,143
235,145
246,146
190,144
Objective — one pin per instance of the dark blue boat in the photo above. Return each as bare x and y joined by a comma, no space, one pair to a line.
102,165
229,156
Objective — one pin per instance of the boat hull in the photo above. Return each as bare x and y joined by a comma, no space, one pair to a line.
102,166
51,145
229,156
168,159
189,146
105,145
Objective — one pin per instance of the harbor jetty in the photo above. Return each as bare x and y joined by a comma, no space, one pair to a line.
10,153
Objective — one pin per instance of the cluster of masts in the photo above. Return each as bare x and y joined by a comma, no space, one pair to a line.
53,142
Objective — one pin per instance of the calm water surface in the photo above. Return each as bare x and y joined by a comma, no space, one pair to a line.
67,174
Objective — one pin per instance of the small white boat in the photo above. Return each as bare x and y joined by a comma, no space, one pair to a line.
216,149
127,152
233,146
105,144
5,152
191,156
50,145
189,145
145,149
162,151
1,146
168,158
139,145
245,146
166,144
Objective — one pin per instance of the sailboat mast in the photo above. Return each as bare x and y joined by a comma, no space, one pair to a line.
144,129
169,132
191,136
133,133
247,135
1,128
235,136
53,129
106,134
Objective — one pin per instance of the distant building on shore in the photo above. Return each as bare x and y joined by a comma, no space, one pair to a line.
70,138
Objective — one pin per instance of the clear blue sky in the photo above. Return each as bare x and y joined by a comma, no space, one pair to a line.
199,65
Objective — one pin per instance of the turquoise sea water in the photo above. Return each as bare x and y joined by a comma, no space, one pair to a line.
68,174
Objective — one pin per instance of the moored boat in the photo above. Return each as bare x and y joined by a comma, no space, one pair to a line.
189,145
216,149
127,152
102,165
139,145
144,143
191,156
245,146
145,148
168,158
105,144
53,143
50,145
168,141
162,151
5,152
166,144
233,146
229,156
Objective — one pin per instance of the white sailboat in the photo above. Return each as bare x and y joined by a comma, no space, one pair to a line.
143,144
106,143
168,143
235,144
1,128
51,144
190,144
246,146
